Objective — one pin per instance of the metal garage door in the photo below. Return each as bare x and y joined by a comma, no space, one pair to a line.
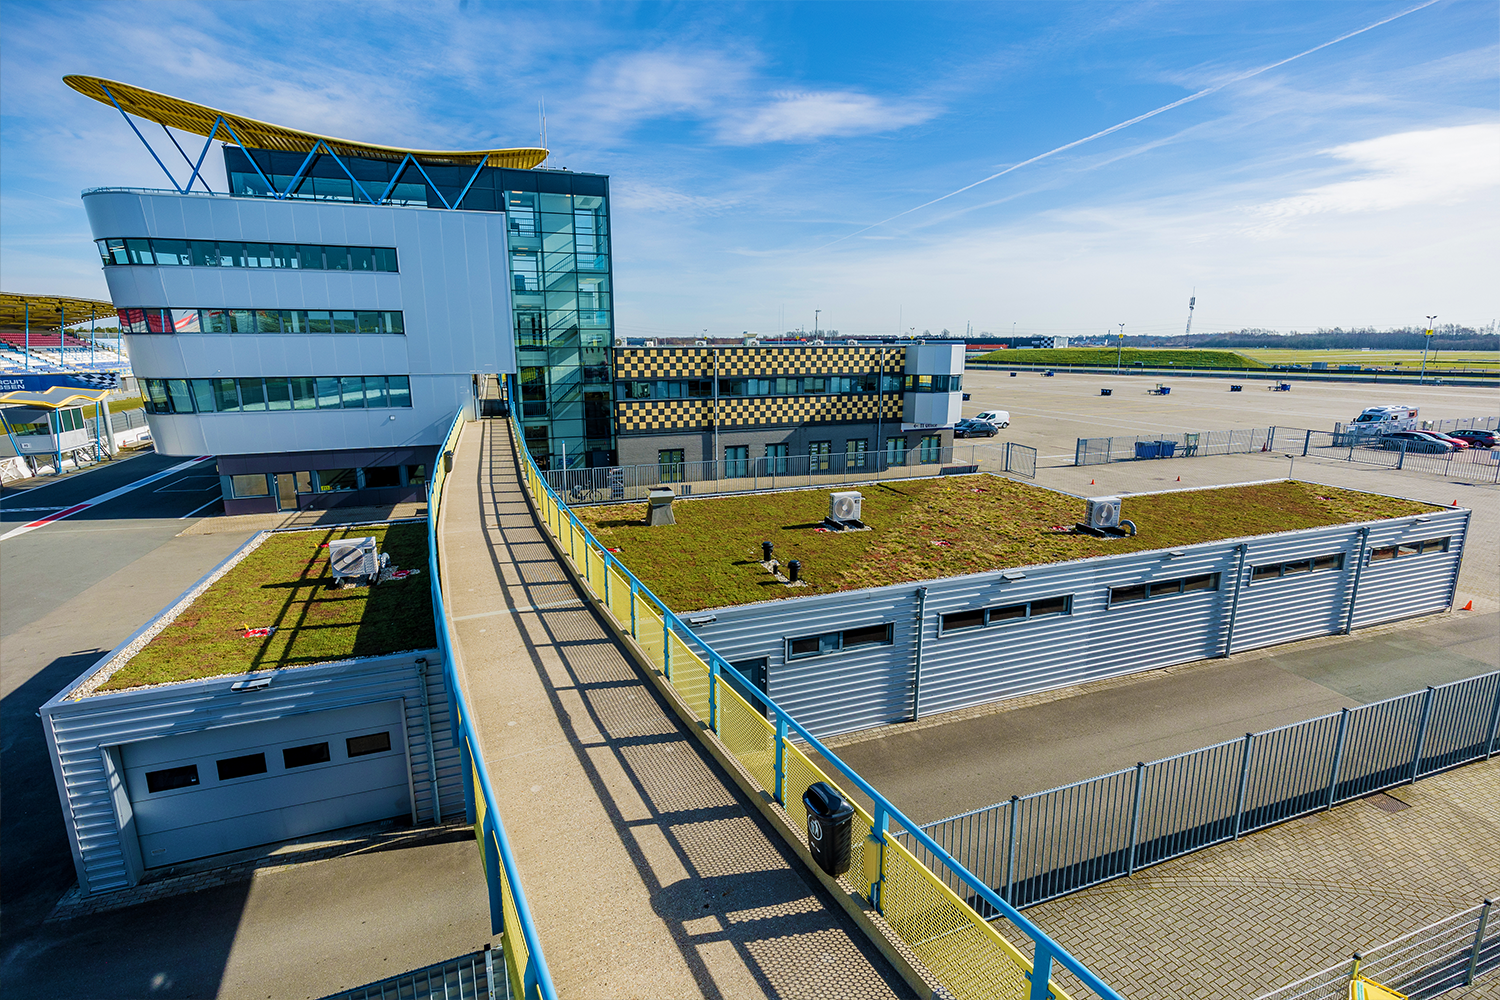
238,786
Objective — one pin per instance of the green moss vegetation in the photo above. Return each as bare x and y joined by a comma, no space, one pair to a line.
928,528
286,583
1163,358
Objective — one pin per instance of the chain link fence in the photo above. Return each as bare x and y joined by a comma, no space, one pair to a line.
1475,465
1164,444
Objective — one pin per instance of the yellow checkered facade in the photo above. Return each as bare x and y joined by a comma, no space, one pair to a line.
654,416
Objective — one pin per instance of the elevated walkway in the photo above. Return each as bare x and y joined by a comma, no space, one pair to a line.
646,871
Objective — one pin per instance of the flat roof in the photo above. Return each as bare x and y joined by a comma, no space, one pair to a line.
251,133
926,529
284,583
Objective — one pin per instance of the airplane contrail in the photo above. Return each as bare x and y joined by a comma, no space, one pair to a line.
1126,124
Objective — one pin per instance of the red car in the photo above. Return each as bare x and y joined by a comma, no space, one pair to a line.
1457,444
1477,438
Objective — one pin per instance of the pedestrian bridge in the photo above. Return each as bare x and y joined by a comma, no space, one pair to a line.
640,824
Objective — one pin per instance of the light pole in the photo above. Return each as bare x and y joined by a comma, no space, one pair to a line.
1119,348
815,323
1426,339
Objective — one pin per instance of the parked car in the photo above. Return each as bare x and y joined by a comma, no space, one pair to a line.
1413,441
1000,418
970,427
1456,443
1477,438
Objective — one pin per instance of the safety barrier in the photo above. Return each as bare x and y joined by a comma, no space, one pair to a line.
1428,962
465,978
931,913
525,967
628,483
1020,459
1174,444
1478,465
1041,846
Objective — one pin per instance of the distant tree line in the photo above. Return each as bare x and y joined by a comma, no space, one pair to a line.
1445,338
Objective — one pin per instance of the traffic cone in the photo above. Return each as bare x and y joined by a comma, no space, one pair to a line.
1091,482
1179,479
1467,607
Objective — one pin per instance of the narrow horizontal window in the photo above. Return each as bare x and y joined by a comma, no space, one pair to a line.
1270,572
312,753
806,646
215,320
1051,606
1207,581
172,777
241,767
953,621
1409,549
1435,545
1125,595
360,746
1377,555
1335,561
873,635
1300,566
1010,612
208,253
1165,587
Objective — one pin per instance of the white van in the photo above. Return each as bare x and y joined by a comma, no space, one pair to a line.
1374,421
1000,418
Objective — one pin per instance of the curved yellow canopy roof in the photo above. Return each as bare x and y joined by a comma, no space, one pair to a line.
54,398
199,120
48,311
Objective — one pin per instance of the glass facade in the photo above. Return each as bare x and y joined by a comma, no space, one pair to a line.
557,228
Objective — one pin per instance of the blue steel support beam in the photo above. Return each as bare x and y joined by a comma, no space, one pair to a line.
269,186
138,135
472,178
434,187
400,169
186,159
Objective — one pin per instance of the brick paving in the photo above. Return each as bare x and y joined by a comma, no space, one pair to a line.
1244,917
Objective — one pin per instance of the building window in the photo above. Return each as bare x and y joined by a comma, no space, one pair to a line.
303,756
669,465
1163,588
933,383
211,253
737,461
856,453
895,451
983,617
820,456
1273,571
778,459
241,767
359,746
931,450
1407,549
337,480
834,642
306,321
229,395
249,486
173,777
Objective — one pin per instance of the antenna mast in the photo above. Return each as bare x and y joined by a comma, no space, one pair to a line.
1191,302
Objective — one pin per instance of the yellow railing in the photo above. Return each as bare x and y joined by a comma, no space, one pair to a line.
958,947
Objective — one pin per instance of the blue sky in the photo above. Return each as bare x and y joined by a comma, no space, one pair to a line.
756,151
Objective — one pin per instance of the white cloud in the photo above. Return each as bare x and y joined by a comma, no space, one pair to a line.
1435,166
804,117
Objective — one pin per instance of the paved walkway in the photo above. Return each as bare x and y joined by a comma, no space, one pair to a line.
1245,917
646,872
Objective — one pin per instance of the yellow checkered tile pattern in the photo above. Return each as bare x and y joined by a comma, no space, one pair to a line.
660,415
698,362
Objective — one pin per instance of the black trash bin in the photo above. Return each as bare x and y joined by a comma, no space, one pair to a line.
829,819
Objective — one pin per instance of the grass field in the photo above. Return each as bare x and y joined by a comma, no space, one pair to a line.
285,583
931,528
1441,360
1151,357
128,403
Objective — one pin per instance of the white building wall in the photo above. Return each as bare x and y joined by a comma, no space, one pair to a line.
452,289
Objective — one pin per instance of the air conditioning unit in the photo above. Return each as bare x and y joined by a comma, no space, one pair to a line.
1102,512
352,558
845,506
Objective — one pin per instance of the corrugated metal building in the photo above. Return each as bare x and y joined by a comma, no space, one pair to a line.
157,776
861,658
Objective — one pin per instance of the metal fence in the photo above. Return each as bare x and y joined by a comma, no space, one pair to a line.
1476,465
1452,952
1189,444
1020,459
1489,423
466,978
1041,846
526,969
928,906
627,483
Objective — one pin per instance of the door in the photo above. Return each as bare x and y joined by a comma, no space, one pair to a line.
288,485
235,787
